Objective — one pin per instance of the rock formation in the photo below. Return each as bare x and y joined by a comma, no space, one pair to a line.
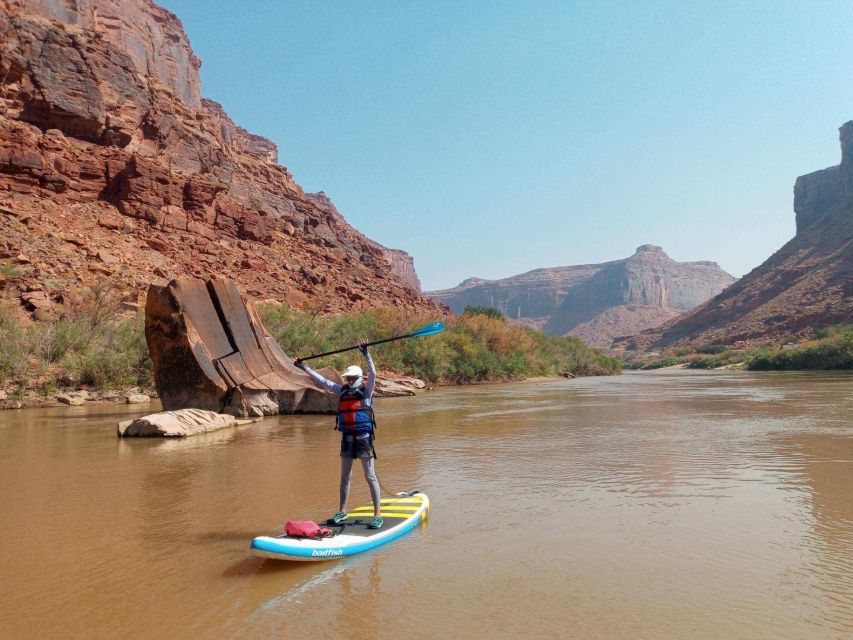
177,424
805,285
596,302
112,166
209,350
401,264
398,386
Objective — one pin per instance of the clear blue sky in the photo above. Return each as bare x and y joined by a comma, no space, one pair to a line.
491,138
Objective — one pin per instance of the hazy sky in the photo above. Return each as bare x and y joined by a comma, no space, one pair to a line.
490,138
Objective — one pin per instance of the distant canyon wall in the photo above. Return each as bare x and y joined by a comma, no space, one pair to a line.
807,284
597,302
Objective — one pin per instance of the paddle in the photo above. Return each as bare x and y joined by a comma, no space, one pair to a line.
426,330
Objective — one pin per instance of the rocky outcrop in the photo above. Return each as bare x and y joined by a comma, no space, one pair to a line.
596,302
402,265
805,285
177,424
398,386
150,36
112,165
209,350
399,263
73,398
236,136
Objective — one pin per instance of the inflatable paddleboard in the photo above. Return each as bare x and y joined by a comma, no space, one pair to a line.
400,515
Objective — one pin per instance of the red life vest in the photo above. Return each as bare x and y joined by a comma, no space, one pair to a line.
353,415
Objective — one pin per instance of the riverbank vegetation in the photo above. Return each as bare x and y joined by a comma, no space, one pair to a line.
93,344
478,346
829,348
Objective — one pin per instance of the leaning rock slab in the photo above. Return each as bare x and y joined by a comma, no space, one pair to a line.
177,424
210,350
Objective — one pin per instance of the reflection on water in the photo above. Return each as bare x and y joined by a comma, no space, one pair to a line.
668,505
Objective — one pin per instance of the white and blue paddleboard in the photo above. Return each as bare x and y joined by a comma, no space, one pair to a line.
400,515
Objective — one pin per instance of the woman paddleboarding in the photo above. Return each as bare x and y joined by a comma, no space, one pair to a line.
356,423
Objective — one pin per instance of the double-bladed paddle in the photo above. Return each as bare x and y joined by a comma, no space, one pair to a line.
426,330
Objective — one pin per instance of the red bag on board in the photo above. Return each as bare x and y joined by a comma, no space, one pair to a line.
306,529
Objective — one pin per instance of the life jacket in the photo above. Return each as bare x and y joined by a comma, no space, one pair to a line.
353,415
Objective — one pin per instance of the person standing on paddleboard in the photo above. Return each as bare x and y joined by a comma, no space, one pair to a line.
356,423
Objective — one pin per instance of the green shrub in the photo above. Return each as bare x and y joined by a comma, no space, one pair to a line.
83,346
14,350
711,349
723,359
475,347
834,331
116,355
489,312
662,362
10,269
835,351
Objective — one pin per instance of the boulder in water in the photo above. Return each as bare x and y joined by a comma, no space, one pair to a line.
177,424
398,386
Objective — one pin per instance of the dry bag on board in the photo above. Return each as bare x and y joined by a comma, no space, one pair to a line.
306,529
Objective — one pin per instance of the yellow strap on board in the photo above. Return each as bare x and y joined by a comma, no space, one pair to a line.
403,516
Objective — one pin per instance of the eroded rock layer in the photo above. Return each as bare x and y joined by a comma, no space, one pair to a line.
113,165
209,350
596,302
805,285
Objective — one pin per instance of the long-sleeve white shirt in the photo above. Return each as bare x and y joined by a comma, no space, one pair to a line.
335,388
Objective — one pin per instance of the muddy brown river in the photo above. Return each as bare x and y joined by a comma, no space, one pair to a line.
654,505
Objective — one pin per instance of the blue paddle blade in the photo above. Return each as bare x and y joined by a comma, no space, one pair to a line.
428,330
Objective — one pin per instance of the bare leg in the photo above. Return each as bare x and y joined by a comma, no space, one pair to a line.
373,482
346,473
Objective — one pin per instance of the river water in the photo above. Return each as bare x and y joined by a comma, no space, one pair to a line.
653,505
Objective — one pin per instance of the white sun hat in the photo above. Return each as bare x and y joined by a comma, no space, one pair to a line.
353,371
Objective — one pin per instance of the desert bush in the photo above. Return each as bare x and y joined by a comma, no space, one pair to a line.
833,351
85,346
489,312
833,331
10,269
114,355
475,347
711,349
660,363
13,345
717,360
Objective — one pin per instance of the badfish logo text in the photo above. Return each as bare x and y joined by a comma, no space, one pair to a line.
326,553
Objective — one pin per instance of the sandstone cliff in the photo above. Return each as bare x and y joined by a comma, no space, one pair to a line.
805,285
113,166
596,302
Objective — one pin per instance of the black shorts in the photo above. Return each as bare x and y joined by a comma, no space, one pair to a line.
353,446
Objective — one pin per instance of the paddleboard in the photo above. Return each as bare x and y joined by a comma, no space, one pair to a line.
400,514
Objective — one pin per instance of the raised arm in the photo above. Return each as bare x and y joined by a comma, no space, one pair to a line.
320,380
370,385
